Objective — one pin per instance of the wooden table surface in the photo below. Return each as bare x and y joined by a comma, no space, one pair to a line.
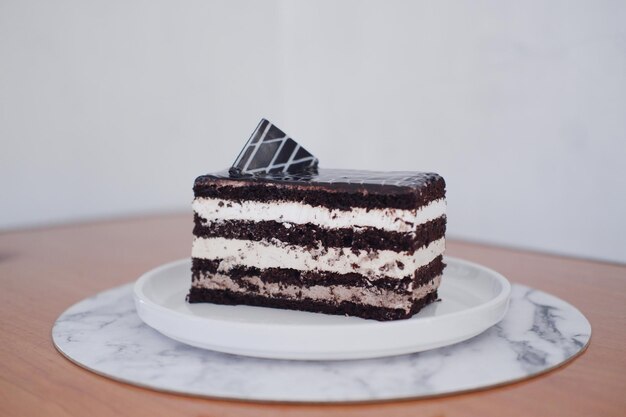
44,271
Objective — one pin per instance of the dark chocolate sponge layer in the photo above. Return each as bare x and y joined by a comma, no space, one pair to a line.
203,295
425,274
329,188
310,235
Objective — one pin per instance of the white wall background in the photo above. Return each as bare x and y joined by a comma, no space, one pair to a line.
111,108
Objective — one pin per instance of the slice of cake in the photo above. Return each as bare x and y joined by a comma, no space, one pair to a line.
276,231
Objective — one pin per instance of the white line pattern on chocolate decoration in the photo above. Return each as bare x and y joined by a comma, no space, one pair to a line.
280,148
271,165
256,146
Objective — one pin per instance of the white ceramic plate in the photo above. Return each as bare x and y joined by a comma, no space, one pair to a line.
473,298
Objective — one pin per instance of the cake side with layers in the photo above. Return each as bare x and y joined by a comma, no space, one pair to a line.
367,244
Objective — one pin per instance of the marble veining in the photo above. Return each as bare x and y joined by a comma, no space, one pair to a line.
104,334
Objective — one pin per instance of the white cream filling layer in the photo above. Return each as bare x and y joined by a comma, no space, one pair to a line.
334,293
396,220
340,260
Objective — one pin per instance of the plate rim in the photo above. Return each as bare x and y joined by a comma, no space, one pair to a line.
503,297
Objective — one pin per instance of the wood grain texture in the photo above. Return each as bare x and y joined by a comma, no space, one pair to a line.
44,271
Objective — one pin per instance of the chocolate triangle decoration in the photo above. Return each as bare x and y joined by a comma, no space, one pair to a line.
270,150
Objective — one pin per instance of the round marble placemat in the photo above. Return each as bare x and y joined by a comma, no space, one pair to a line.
104,334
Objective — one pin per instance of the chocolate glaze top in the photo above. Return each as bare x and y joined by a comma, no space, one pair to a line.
376,182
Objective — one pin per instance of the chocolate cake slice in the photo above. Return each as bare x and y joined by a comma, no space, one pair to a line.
361,243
